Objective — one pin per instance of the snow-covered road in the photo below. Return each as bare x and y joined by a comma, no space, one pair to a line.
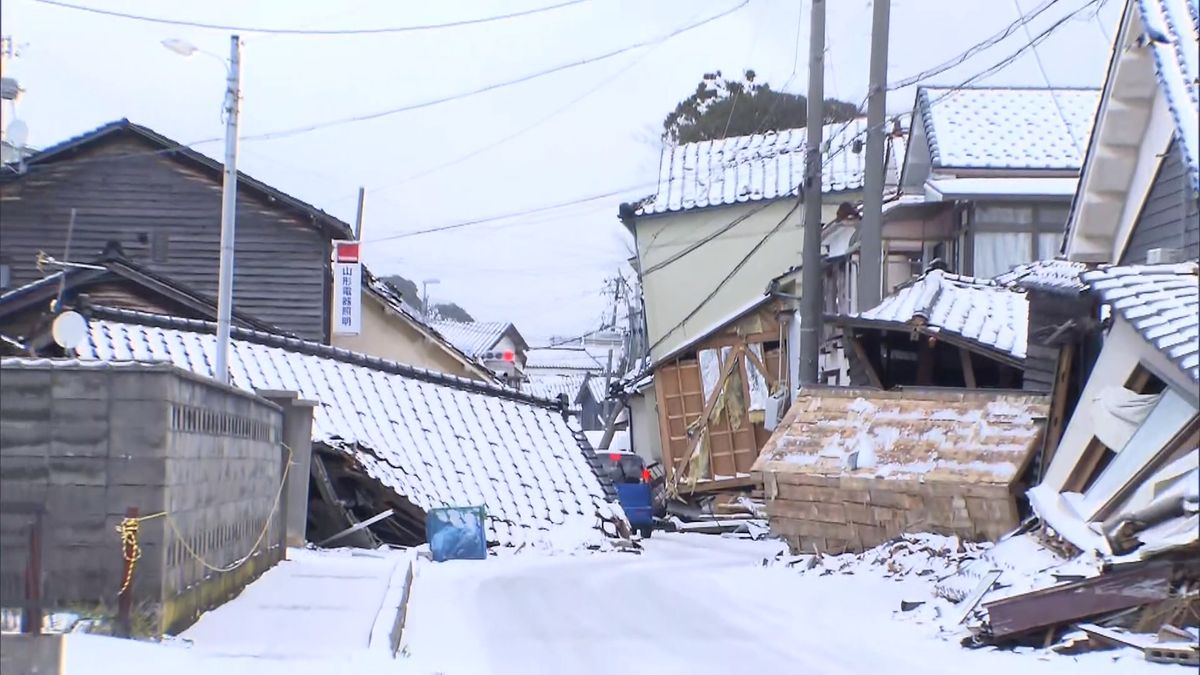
690,604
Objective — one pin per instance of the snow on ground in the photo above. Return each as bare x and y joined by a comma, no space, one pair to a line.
318,612
689,603
698,604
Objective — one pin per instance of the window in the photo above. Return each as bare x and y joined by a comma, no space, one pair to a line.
999,252
5,276
1005,236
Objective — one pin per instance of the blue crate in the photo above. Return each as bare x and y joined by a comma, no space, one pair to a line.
457,533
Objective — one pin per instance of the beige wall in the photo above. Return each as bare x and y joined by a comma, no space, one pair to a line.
672,292
389,336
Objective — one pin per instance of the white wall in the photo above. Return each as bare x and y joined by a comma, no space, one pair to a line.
671,293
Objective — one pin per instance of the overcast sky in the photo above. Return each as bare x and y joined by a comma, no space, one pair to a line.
581,132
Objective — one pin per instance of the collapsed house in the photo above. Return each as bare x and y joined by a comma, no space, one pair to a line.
851,468
714,398
1125,478
390,436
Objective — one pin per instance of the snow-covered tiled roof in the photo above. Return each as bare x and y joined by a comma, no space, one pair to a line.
978,310
436,439
916,434
1173,27
1162,302
1005,128
550,386
473,337
561,358
754,168
1054,276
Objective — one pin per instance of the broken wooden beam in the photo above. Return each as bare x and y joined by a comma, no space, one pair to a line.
1131,586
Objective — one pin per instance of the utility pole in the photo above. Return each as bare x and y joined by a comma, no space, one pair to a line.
228,208
811,295
870,259
358,219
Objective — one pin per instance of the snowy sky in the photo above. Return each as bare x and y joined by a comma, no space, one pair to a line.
582,132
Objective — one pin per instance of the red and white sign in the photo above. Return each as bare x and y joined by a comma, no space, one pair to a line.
347,288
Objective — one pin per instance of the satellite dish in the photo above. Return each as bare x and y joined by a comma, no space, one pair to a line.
69,329
18,133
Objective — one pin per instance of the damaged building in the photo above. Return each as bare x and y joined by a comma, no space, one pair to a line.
389,436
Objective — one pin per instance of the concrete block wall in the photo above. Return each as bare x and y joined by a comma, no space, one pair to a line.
837,514
85,441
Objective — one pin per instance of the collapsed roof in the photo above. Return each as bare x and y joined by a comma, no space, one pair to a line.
435,439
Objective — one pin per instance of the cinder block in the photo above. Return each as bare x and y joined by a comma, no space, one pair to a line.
62,501
24,393
24,438
137,471
147,498
80,384
138,429
24,470
78,470
79,427
141,385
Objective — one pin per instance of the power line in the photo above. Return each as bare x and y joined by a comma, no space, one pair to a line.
974,49
1046,78
1033,42
506,216
425,104
491,87
524,130
307,31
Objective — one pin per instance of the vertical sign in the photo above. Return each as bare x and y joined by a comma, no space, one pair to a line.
347,288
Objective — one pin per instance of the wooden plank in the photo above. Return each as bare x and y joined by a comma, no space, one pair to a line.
868,364
968,368
1058,407
1066,603
664,432
726,369
925,354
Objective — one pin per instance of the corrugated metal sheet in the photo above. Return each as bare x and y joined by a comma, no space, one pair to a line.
1174,29
753,168
439,440
977,437
1162,302
1006,128
978,310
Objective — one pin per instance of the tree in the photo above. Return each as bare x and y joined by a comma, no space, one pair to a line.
408,290
722,108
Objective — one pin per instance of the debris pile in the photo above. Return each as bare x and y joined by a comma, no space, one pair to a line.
1019,594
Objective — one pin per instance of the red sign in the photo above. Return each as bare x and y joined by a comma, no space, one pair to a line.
345,251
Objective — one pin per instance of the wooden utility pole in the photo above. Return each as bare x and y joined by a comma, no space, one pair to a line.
811,294
871,235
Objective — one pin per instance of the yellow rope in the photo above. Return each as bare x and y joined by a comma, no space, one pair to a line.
128,530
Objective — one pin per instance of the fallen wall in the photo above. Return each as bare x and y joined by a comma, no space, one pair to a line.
838,514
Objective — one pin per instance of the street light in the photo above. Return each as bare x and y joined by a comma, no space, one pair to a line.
425,296
228,192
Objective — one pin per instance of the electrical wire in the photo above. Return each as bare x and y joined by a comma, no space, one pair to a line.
308,31
1046,78
1033,42
285,133
987,43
